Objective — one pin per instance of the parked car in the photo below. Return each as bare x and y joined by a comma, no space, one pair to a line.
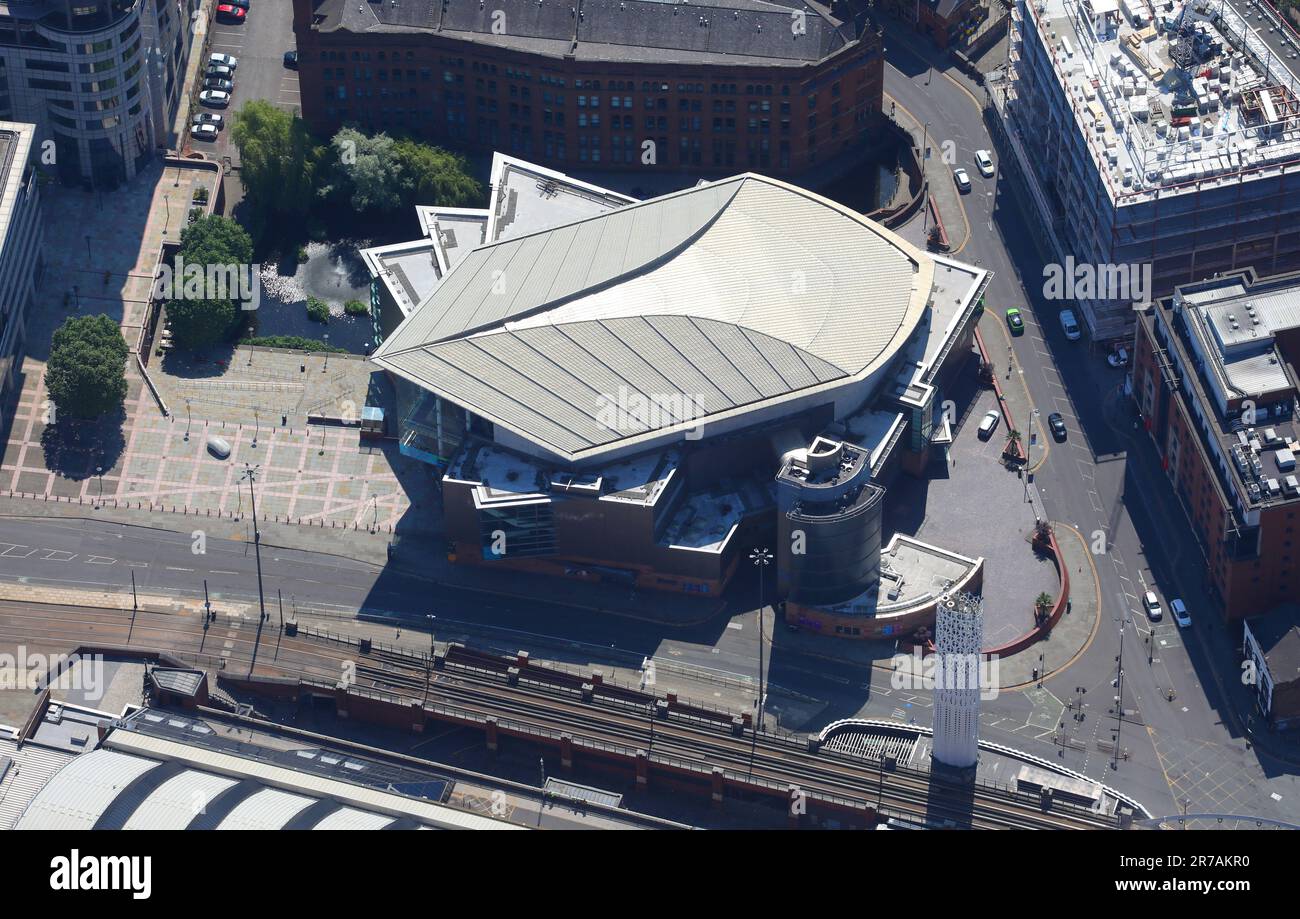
215,98
1015,322
1118,358
229,13
984,162
220,70
1070,325
989,424
219,83
1181,616
291,60
242,4
960,176
1151,603
1057,425
204,132
211,118
223,60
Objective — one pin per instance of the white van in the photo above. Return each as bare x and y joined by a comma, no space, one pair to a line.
1070,325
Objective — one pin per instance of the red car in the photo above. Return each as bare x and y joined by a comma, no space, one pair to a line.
230,13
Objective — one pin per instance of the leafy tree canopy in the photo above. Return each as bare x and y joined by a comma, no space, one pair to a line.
86,372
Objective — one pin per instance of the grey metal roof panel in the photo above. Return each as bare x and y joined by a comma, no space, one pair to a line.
490,401
268,809
643,337
784,358
699,349
758,370
82,790
173,805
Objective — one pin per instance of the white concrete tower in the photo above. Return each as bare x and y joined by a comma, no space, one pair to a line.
958,634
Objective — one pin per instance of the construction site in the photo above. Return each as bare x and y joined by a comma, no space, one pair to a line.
1157,133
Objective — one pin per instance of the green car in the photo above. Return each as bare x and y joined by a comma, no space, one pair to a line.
1014,322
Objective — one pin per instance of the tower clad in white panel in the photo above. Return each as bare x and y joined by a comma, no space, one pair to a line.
959,632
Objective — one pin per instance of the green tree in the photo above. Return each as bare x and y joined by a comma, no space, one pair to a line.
86,373
436,176
216,240
365,171
278,164
380,174
201,317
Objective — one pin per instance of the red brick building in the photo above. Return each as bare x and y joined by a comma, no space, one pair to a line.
948,23
1214,379
596,84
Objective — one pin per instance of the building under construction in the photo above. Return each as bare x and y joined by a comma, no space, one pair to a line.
1154,134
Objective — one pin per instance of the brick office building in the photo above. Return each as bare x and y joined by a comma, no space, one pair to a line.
775,86
1214,378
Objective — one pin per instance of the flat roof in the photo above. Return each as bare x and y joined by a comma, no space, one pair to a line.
1123,79
728,296
1227,343
912,572
524,198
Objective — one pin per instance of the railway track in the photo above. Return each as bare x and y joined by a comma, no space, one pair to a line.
616,717
773,760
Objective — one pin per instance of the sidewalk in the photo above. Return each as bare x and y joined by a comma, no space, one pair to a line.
1073,633
940,184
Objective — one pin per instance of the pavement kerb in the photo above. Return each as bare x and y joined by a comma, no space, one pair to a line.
1096,622
961,208
1034,415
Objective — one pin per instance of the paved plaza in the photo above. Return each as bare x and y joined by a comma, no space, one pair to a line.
101,252
268,387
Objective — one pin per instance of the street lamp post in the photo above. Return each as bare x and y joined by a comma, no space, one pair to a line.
326,368
925,148
428,672
99,472
761,559
250,473
187,420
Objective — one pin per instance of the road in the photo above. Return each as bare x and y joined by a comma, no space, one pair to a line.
1106,482
259,44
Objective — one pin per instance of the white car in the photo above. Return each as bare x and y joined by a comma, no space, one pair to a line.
1117,358
1181,616
217,98
960,176
221,70
984,162
1151,603
204,132
1070,325
223,60
989,424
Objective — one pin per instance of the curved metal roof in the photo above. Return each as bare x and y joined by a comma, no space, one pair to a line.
727,296
190,788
